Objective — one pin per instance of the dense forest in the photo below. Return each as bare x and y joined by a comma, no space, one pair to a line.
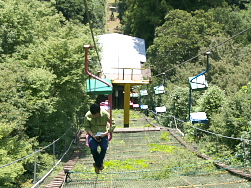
43,80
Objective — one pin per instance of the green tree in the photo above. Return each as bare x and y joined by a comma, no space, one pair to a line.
144,14
15,110
211,101
59,59
180,38
74,10
177,103
233,119
141,18
122,7
43,81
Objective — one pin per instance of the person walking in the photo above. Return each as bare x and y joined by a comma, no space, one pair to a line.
95,123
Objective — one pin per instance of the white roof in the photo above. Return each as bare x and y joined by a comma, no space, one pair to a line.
122,51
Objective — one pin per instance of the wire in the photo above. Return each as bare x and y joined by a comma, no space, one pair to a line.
48,173
242,139
90,26
34,152
210,49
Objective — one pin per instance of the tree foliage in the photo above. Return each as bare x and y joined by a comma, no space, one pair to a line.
15,110
141,18
177,51
42,81
75,10
143,14
233,119
180,38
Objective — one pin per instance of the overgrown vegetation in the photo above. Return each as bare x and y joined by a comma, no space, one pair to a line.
128,164
183,35
43,80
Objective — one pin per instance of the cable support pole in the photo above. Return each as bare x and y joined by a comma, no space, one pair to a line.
244,152
54,152
90,26
35,169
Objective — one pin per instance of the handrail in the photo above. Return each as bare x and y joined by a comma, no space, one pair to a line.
86,67
37,151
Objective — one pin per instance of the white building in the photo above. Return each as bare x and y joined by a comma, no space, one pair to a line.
122,56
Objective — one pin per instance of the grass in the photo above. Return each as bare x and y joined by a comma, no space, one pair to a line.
149,155
128,164
136,119
162,148
112,26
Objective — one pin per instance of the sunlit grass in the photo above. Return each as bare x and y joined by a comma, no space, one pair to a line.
128,164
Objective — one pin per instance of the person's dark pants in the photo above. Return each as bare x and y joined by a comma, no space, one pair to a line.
98,157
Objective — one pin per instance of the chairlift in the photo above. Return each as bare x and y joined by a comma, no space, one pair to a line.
144,106
160,109
198,117
159,90
135,105
198,83
143,92
96,85
134,94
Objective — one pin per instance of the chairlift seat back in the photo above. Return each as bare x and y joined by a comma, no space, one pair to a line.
136,94
144,106
97,87
159,90
143,92
198,117
198,83
161,109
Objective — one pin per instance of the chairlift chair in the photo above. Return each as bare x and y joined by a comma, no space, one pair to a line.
198,83
198,117
96,87
160,109
159,90
144,106
143,92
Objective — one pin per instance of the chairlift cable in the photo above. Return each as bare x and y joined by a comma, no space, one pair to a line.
210,49
90,26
